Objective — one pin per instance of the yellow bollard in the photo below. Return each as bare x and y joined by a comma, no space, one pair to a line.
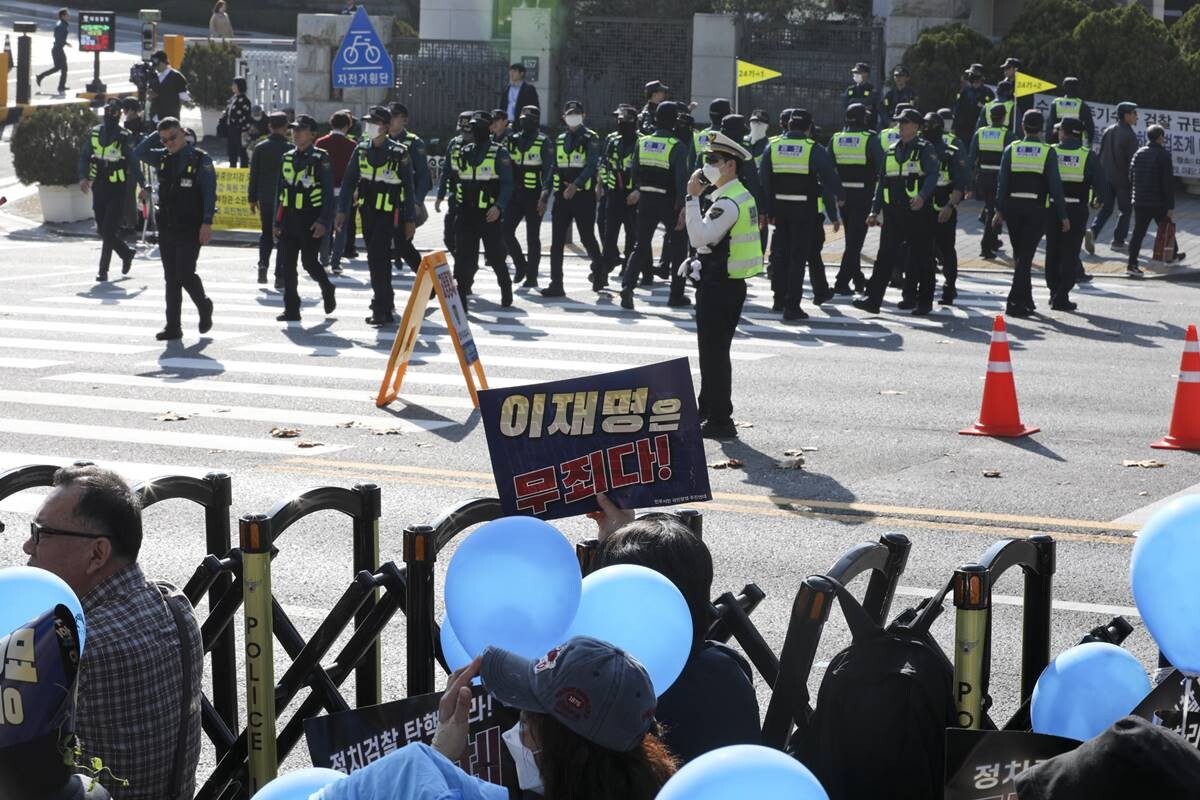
256,539
972,599
173,47
4,65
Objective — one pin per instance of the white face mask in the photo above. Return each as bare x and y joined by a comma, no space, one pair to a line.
713,173
573,120
859,77
529,777
758,131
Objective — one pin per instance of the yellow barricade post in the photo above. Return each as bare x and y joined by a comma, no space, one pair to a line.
972,601
172,44
4,65
434,274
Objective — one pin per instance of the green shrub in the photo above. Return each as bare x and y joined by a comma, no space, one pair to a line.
937,59
1125,54
47,141
1041,38
210,68
1186,31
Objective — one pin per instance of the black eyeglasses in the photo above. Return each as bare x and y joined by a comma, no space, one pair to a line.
713,158
36,532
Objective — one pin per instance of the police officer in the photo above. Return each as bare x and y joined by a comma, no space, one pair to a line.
728,254
655,92
576,161
305,214
861,91
904,194
1004,99
380,173
500,127
889,136
187,201
263,187
1072,106
1028,175
419,160
900,92
107,169
485,186
970,103
659,174
616,181
1010,68
717,110
532,155
858,158
448,180
760,126
1083,183
987,148
951,186
795,172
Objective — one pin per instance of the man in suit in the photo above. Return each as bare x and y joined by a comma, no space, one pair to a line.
171,90
518,93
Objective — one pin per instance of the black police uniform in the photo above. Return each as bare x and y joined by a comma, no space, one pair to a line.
616,175
448,188
187,199
404,248
263,189
580,149
107,161
858,183
532,155
952,178
305,199
484,182
1022,201
866,94
1062,249
382,177
894,97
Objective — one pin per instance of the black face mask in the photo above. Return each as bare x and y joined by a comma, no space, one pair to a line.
529,124
480,133
627,128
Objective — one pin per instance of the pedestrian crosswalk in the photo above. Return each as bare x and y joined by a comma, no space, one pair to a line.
89,381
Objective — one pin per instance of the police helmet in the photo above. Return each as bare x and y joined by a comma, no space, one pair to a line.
856,114
1071,86
947,116
667,114
997,114
718,108
933,124
1004,89
1033,120
735,126
784,116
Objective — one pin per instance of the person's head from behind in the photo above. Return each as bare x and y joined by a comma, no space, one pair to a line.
171,134
664,544
339,122
516,73
219,8
1155,134
997,116
587,729
88,527
277,122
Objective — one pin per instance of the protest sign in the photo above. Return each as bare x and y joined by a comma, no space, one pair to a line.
984,765
1164,706
633,434
1182,127
233,204
353,739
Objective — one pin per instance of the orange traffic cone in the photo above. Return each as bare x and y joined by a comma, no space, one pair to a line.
999,415
1185,421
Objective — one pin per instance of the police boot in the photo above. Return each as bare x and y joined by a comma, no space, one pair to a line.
262,275
126,264
627,299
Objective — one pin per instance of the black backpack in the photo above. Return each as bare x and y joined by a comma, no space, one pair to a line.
879,728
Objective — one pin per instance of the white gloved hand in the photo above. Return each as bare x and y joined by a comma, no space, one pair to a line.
690,269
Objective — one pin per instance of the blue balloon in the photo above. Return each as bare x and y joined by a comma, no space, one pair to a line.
298,785
641,612
1086,689
513,583
1163,574
743,770
28,592
452,649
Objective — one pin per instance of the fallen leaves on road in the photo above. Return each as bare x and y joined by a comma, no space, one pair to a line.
743,424
424,444
1143,494
351,424
307,443
285,433
799,451
387,431
1148,463
729,463
991,473
793,462
171,416
887,392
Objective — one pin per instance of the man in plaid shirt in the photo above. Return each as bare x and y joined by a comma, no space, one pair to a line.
139,694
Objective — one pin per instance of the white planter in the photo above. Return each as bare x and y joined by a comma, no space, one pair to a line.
209,117
64,204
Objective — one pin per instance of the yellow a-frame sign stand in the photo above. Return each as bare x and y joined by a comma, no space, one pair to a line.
435,275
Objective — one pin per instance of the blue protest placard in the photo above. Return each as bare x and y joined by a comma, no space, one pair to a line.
633,435
362,62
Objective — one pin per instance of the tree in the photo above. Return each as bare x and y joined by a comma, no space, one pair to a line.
1186,31
937,59
1041,37
1125,54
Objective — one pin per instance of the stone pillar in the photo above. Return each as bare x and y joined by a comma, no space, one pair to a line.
461,20
714,60
537,36
317,38
907,18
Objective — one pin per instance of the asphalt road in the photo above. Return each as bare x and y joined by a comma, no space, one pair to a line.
878,400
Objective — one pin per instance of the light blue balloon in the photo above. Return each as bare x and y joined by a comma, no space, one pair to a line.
641,612
298,785
513,583
1086,689
743,770
28,592
452,649
1163,574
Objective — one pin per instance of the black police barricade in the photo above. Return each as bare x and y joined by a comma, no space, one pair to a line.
789,703
213,492
251,758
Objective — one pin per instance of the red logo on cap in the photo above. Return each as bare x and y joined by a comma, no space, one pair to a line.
573,703
547,661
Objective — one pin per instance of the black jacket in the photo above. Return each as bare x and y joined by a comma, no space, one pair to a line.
264,169
166,101
1151,175
526,96
1117,147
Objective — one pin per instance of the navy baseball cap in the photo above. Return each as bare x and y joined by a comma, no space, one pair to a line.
398,109
760,115
572,105
1033,120
1071,126
594,688
909,115
305,121
380,115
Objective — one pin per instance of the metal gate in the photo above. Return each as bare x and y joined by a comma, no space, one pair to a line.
270,77
438,78
609,60
815,60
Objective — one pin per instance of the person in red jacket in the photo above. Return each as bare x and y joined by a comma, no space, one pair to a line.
340,148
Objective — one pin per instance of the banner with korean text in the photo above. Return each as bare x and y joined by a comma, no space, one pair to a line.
633,434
